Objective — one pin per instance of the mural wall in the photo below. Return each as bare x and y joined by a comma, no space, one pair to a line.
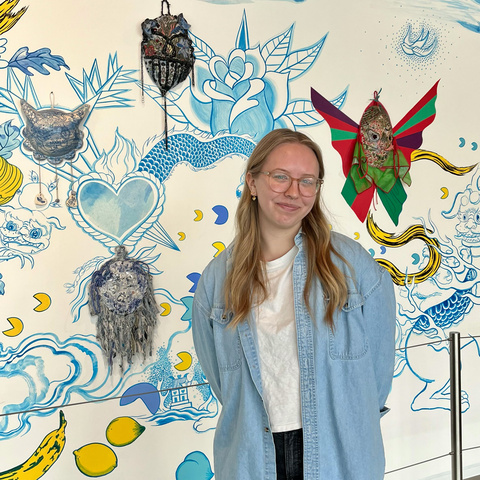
84,169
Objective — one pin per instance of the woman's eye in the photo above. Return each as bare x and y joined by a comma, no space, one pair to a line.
279,177
308,182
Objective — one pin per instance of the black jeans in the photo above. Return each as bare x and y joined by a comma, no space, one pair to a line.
289,454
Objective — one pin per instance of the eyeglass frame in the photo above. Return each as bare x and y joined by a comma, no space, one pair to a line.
319,182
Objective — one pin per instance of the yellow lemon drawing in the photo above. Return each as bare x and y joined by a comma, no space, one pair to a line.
95,459
122,431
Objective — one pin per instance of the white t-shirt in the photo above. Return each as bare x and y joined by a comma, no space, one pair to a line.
277,343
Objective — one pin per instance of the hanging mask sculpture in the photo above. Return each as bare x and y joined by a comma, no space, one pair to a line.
375,156
54,136
121,295
167,52
51,134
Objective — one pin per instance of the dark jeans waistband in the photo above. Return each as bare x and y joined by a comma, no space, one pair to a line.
289,454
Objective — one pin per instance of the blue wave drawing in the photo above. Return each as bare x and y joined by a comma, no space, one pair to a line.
53,371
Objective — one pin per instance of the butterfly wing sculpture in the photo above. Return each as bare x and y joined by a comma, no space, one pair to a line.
375,156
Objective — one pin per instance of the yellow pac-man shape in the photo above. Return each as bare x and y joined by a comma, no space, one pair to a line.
219,246
186,361
167,308
181,236
356,235
17,327
45,302
445,192
199,215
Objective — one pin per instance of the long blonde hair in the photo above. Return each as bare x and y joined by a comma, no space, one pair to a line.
246,278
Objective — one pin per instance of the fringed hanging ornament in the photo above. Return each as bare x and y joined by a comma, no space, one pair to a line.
167,53
121,295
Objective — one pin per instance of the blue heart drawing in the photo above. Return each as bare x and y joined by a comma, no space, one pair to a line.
117,212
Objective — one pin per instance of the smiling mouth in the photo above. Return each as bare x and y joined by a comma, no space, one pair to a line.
287,206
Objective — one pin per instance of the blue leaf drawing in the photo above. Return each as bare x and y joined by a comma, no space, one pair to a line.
275,50
297,63
23,60
302,114
8,139
202,49
6,102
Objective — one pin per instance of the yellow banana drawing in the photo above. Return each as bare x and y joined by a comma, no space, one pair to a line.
7,19
415,232
43,458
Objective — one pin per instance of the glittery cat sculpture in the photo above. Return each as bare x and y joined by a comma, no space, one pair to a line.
51,134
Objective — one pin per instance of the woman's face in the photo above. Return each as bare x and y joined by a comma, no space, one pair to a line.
283,212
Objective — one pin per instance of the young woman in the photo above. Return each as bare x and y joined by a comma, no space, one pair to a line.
294,328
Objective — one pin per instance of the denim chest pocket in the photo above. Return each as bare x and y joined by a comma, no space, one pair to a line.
227,341
349,340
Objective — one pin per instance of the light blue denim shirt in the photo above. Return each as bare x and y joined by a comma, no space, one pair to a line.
345,375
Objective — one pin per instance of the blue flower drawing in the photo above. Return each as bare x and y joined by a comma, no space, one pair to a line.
247,92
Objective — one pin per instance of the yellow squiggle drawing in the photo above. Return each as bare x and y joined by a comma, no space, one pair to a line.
10,180
442,162
7,19
415,232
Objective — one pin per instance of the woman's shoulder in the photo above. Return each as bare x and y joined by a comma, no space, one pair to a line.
217,267
348,248
366,269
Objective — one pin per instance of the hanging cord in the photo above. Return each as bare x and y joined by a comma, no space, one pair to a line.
168,6
52,105
142,57
166,121
40,199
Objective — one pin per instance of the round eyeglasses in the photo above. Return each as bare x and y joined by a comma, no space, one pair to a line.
280,182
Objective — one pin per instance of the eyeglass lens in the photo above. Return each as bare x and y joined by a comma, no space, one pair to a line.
280,182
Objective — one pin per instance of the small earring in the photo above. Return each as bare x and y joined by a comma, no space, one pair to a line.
254,197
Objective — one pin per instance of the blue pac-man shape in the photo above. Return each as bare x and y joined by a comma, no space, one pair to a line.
371,251
196,466
462,142
194,277
187,301
144,391
416,258
474,146
222,214
382,249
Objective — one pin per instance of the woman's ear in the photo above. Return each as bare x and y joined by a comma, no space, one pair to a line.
251,183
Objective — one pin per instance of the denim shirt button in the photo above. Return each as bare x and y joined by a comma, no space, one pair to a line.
267,429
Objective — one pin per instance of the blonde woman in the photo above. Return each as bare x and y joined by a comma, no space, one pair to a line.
294,328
